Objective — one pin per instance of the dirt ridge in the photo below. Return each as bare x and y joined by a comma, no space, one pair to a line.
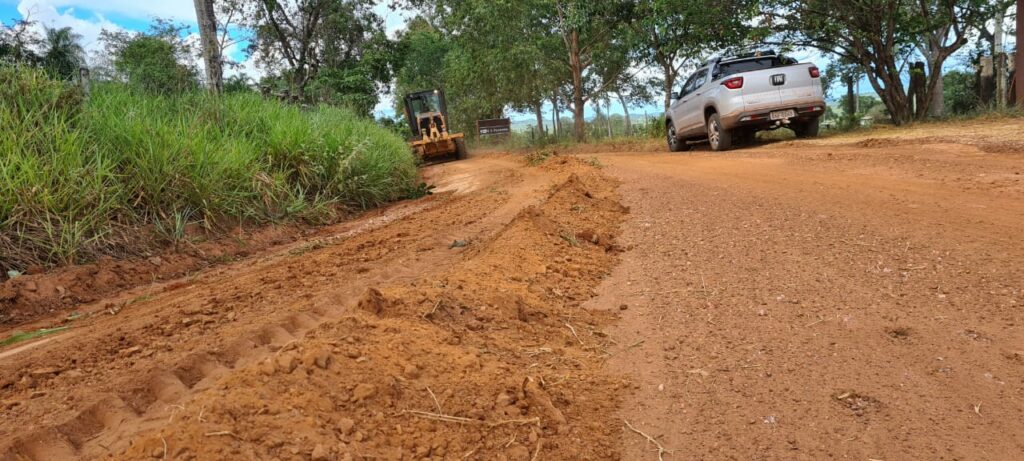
359,370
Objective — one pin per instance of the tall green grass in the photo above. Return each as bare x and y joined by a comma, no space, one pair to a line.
78,176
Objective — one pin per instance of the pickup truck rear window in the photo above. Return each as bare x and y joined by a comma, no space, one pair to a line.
749,65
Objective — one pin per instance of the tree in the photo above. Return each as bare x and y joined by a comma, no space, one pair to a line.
849,73
344,40
675,33
211,45
586,27
961,92
64,55
880,36
155,61
18,42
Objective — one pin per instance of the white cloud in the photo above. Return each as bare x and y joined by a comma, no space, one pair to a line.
181,10
47,15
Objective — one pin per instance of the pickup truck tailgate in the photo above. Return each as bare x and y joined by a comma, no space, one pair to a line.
773,87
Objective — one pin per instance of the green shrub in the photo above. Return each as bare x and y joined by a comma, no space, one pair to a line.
74,174
151,63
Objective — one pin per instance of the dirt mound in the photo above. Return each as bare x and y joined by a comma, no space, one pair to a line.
985,145
437,368
313,355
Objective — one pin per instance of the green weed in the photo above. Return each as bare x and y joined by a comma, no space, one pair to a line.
25,336
78,175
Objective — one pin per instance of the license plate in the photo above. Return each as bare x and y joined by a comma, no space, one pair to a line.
781,114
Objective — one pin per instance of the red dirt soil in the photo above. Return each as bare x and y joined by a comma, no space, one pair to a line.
454,332
840,298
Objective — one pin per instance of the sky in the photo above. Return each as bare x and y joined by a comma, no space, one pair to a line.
89,17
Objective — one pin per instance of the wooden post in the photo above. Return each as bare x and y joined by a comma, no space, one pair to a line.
84,81
1018,75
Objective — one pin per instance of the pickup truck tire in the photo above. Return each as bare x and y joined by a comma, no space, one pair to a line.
719,137
807,129
674,143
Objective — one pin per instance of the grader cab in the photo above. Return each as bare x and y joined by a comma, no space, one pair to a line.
432,140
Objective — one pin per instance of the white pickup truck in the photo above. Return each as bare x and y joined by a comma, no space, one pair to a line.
728,100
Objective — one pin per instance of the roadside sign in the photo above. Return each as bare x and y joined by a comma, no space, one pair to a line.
494,127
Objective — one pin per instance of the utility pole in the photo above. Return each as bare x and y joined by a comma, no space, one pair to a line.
1018,72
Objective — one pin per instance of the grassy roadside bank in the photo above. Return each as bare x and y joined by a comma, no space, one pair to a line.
124,171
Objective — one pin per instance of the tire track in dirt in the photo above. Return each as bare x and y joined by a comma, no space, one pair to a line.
193,366
193,311
437,367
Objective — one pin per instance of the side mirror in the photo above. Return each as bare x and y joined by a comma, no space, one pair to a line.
675,95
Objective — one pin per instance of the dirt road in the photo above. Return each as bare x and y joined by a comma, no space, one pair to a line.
847,298
825,301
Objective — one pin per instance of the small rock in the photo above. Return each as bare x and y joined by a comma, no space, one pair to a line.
43,372
320,453
317,357
287,363
129,351
267,367
412,371
503,400
346,425
27,382
623,307
30,286
518,453
73,373
157,452
363,391
156,261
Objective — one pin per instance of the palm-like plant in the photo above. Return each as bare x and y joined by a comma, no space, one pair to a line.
64,54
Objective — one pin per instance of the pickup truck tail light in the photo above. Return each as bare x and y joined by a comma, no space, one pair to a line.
815,73
734,83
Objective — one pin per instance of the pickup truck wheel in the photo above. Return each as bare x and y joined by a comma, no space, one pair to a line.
674,143
719,137
807,129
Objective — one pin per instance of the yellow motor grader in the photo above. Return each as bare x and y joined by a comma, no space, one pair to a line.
427,113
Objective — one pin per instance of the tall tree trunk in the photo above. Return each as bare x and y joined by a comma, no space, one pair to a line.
540,117
210,44
556,113
999,61
937,107
608,115
576,69
554,117
851,98
625,112
670,82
